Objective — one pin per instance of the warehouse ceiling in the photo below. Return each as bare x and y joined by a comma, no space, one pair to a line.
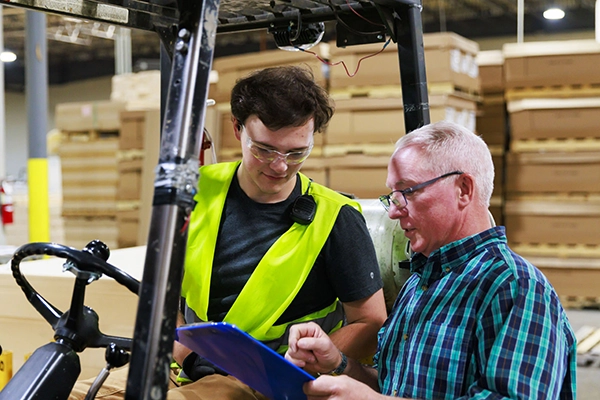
82,49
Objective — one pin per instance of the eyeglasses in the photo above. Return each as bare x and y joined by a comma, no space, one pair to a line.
266,155
400,201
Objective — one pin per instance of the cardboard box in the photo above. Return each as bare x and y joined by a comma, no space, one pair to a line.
553,172
130,179
449,58
570,277
232,68
132,130
87,116
373,120
491,70
491,120
127,225
362,175
79,231
552,221
554,118
566,62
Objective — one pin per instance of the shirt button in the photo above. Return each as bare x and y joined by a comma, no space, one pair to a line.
405,337
447,269
424,287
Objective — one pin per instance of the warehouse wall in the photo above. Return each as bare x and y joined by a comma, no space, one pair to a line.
16,116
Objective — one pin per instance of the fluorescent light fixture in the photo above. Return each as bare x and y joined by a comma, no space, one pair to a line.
8,56
554,13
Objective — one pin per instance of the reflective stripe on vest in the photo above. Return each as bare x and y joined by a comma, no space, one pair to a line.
270,289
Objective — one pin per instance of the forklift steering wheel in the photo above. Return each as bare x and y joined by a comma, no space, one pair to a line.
88,265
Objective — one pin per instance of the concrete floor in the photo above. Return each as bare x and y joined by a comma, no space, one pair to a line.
588,378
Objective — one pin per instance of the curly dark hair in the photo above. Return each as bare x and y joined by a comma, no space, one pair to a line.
280,97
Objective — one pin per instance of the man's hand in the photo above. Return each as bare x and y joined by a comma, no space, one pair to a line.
338,388
310,348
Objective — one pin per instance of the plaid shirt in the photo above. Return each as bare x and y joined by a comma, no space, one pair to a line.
475,320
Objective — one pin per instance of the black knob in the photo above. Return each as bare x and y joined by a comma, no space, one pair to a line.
98,248
116,356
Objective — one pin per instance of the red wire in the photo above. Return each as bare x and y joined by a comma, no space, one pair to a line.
343,63
355,12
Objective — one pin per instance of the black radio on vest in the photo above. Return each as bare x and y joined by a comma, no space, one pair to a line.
304,208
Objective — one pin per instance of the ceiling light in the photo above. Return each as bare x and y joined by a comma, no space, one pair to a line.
554,13
8,56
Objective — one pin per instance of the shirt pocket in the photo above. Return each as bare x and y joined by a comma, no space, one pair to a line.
444,355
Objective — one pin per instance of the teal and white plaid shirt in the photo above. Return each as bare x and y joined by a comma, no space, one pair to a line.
477,321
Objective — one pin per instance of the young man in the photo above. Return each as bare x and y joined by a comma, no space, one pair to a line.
268,248
474,320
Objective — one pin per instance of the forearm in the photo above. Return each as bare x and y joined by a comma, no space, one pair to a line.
362,373
357,340
179,350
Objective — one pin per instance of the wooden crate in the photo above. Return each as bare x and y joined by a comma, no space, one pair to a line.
449,62
565,62
554,118
554,220
377,120
553,172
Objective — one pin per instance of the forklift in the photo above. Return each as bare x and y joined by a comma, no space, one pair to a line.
187,30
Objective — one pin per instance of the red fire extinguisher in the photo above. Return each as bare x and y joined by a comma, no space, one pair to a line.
6,203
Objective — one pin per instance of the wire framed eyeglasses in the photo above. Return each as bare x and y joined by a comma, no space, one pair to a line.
400,201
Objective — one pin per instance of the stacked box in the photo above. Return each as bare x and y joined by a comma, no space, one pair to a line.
450,63
369,116
139,145
363,131
142,90
552,208
492,122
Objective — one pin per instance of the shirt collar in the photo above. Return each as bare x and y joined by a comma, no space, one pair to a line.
455,254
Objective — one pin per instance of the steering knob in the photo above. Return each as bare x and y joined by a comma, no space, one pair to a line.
116,356
98,248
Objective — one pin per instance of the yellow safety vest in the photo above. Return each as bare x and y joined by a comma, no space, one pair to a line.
270,289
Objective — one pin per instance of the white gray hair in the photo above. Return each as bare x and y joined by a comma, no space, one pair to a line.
448,147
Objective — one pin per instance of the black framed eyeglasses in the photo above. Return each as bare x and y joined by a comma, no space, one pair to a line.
267,155
400,201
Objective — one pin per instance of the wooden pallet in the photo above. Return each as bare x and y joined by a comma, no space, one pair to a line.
555,145
554,91
562,252
588,344
395,91
88,136
369,149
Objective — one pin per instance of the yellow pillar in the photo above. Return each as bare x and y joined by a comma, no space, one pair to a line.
39,211
5,368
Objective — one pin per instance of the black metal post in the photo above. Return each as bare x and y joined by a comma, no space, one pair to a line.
175,185
408,29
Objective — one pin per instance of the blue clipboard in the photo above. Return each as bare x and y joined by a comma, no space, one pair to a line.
246,358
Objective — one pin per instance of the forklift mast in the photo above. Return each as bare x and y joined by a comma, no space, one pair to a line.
187,30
